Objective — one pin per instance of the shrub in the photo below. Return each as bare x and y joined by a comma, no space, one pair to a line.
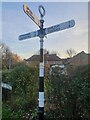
24,94
68,97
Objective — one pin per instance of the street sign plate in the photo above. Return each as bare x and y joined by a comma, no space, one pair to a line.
6,86
31,15
59,27
28,35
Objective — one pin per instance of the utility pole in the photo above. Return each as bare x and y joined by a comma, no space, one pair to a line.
41,34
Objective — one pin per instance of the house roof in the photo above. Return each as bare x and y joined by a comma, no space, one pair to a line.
47,57
80,58
33,58
80,55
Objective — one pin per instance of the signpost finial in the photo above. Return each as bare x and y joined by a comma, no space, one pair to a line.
41,11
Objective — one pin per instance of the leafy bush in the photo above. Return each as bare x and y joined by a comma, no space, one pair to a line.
68,97
24,94
7,114
6,76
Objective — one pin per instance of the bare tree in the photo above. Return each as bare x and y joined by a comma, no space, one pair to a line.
7,57
5,50
71,52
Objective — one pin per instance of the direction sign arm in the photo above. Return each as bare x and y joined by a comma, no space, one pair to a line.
59,27
31,14
28,35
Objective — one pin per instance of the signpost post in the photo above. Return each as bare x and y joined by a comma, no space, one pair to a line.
41,34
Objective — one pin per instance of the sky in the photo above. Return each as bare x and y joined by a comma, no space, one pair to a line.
15,22
44,0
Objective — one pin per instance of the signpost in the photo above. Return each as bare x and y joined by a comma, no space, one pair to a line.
41,34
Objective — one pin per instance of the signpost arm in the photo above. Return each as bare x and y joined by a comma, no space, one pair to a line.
60,27
28,35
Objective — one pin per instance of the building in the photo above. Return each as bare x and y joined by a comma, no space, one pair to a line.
80,59
52,61
49,59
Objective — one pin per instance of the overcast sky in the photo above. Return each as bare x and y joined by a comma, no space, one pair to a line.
15,22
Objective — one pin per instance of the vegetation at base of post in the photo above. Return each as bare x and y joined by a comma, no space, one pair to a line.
67,97
23,101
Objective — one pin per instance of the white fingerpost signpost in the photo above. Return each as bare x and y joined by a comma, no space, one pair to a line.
41,34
